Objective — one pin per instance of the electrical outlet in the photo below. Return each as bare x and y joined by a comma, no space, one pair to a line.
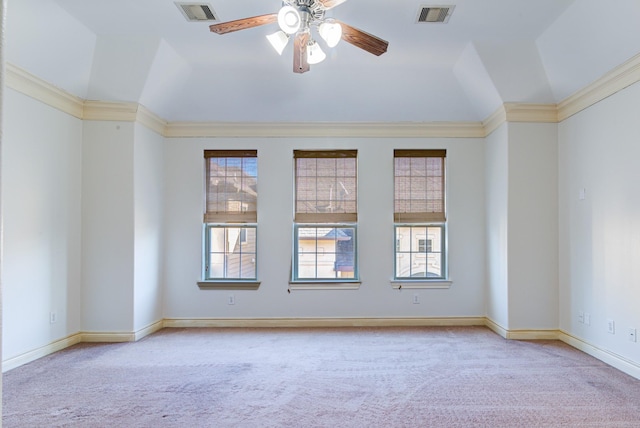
231,300
416,299
632,335
581,317
611,326
587,319
53,317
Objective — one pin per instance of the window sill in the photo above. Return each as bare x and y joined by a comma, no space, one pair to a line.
415,284
324,285
228,285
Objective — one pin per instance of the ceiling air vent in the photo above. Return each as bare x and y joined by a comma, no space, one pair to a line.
197,12
434,14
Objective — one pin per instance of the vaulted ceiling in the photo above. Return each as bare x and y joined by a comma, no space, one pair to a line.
488,53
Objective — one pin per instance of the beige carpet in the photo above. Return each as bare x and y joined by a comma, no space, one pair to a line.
352,377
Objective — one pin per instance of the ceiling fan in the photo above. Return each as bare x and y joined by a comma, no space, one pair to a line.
296,18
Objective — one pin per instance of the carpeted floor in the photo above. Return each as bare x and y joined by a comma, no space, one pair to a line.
346,377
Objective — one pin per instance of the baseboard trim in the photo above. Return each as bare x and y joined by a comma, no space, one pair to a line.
150,329
533,334
521,334
619,362
107,337
43,351
496,328
321,322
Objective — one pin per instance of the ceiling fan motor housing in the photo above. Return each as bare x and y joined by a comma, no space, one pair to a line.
314,8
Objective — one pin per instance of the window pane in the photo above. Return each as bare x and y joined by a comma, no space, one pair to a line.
250,167
403,265
419,251
232,252
326,167
325,252
403,236
232,187
418,265
419,188
248,266
418,167
233,266
434,256
326,187
417,234
306,167
307,252
248,240
216,265
402,167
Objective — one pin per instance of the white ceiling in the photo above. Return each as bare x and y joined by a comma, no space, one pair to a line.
490,52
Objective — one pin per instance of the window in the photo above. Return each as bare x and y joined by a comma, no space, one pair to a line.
227,255
419,214
416,258
230,216
325,230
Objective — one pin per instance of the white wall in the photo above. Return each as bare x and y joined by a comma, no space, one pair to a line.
522,226
41,176
148,196
533,226
497,189
600,235
107,226
375,298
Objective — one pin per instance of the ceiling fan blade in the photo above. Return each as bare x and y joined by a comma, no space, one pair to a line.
363,40
300,44
243,24
330,4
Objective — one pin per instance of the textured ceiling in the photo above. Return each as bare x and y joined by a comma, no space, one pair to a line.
490,52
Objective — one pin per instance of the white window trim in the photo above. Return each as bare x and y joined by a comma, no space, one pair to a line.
439,282
324,283
226,283
421,284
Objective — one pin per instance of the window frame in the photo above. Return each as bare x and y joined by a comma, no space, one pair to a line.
295,278
427,219
207,251
224,219
443,253
302,218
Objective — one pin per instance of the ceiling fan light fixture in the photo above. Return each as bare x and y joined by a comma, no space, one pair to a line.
315,54
278,40
289,19
331,32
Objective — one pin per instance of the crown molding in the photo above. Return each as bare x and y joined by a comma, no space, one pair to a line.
110,111
36,88
494,121
151,120
124,112
617,79
326,129
614,81
520,112
536,113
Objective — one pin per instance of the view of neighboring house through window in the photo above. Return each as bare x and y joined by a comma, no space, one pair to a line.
230,215
419,214
325,228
